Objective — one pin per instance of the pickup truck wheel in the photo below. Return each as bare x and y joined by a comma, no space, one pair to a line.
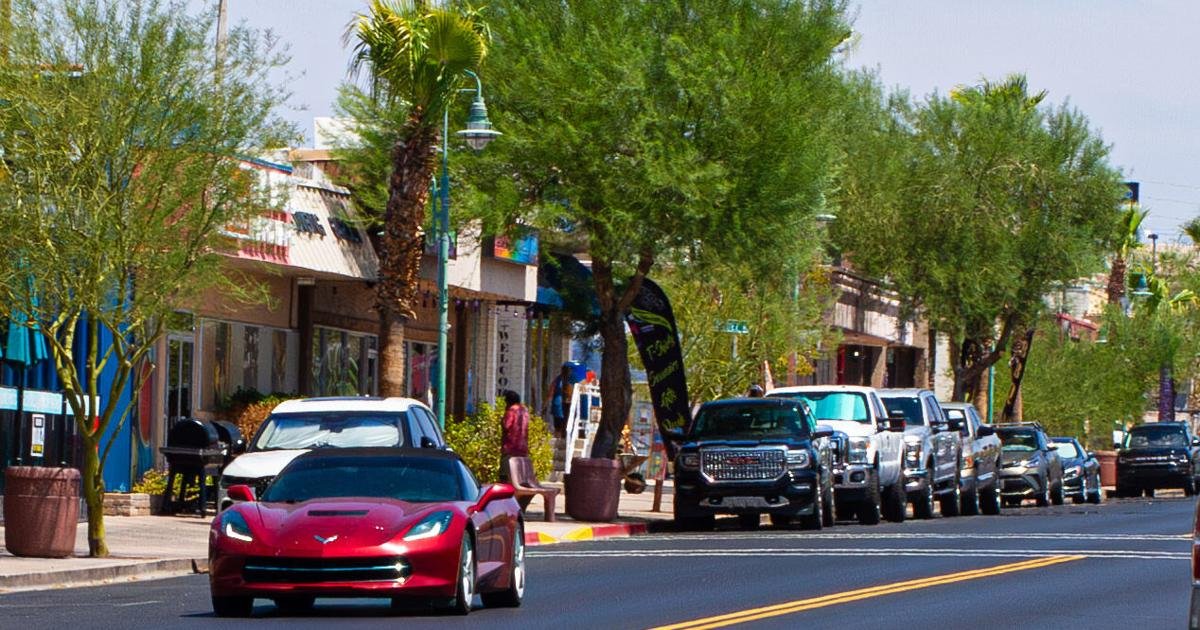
868,510
951,502
970,502
829,509
814,521
750,521
895,502
991,501
1189,488
923,503
1149,492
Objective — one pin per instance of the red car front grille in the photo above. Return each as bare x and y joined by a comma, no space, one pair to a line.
316,570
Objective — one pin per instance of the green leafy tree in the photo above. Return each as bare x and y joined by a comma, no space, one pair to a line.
658,130
416,56
989,200
122,148
786,330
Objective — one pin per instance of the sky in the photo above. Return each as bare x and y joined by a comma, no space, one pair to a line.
1129,66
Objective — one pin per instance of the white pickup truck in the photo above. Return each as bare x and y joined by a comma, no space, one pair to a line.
868,449
980,459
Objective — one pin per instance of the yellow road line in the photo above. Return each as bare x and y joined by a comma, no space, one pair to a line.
788,608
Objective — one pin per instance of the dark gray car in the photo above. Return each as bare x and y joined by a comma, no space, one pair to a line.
1029,467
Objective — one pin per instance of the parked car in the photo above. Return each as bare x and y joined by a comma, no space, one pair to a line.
1081,470
1029,466
298,426
980,459
369,522
754,456
1158,455
867,449
931,451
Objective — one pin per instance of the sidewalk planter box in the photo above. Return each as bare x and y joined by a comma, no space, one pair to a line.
593,489
41,510
127,504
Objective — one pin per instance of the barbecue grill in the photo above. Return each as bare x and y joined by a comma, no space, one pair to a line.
194,451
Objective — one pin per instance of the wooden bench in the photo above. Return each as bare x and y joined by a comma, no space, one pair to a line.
526,485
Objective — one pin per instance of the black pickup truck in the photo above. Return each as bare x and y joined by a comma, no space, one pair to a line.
753,456
1158,455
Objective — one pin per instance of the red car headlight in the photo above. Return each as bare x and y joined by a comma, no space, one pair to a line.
233,525
430,526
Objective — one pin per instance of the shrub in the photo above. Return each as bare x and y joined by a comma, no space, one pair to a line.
154,481
476,438
248,408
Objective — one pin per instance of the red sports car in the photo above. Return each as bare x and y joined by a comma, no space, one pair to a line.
402,523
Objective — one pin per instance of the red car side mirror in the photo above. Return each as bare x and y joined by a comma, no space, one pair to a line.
494,492
241,492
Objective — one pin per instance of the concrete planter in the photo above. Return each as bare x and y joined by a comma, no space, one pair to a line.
593,489
1108,467
128,504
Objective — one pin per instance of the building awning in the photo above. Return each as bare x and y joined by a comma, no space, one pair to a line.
317,232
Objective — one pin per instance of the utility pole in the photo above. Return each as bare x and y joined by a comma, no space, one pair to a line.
222,32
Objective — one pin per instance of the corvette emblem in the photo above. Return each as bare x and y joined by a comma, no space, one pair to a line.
325,541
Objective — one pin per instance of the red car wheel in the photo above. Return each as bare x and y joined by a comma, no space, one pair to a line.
511,597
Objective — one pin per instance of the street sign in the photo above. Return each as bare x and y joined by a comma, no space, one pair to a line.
734,326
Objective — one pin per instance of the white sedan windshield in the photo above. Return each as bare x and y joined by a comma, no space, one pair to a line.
338,429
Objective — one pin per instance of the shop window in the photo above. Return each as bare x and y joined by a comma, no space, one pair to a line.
242,356
344,363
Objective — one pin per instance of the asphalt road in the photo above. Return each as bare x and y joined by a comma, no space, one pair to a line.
1123,564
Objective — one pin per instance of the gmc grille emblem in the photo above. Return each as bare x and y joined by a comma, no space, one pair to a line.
742,460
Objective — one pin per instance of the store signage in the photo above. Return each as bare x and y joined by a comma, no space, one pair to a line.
510,350
308,223
344,231
520,247
652,323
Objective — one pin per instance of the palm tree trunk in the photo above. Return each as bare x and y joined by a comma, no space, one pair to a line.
402,245
1116,280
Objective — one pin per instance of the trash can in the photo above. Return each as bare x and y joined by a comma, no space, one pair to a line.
1108,467
41,511
593,489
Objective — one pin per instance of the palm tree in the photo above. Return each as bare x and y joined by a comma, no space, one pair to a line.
415,56
1192,229
1127,241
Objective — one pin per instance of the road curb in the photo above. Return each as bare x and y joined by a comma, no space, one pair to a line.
588,532
79,577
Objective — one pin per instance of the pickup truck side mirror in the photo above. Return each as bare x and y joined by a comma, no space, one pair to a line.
896,424
674,434
986,430
822,431
956,424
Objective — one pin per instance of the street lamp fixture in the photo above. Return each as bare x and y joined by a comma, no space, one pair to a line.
478,134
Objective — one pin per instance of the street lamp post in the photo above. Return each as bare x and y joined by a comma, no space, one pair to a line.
478,134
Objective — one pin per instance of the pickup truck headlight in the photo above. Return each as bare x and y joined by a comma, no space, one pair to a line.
857,450
690,461
912,455
798,458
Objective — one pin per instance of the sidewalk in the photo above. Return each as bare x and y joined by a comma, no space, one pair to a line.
143,547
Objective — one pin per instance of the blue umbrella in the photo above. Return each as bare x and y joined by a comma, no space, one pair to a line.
24,347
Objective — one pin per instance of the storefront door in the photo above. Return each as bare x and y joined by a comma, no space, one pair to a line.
179,377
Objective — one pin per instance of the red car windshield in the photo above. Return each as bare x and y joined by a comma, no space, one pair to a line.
414,479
